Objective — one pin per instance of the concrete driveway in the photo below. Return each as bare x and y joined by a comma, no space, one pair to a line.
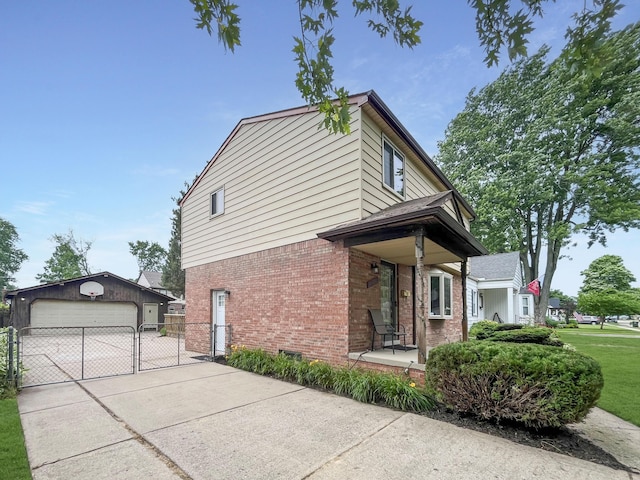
209,421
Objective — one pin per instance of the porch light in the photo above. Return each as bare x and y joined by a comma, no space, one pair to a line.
227,293
374,267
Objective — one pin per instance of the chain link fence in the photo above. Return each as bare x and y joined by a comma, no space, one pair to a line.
9,364
175,344
65,354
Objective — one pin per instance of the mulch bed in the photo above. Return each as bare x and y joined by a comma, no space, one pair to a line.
561,440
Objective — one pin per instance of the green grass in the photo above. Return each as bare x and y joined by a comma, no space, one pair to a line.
619,358
13,454
609,328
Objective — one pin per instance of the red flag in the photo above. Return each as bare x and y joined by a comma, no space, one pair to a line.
534,287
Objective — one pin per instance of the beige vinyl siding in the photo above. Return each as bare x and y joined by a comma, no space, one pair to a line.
285,180
375,195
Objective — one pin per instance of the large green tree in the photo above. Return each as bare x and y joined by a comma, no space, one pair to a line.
173,276
11,257
149,255
500,24
609,302
69,259
543,153
606,273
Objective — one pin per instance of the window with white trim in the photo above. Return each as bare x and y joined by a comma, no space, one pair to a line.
474,303
525,306
440,295
393,168
216,206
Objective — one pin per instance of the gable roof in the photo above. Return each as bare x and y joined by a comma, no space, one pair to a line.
501,266
377,109
154,278
399,220
92,276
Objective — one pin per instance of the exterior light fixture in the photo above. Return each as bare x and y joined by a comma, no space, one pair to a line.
374,267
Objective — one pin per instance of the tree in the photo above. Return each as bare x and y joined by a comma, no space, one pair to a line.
172,274
606,273
149,255
69,259
609,302
497,27
11,257
543,154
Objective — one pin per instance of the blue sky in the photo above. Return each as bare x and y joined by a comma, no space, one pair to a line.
108,107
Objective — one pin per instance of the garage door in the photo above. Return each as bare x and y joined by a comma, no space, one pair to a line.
61,313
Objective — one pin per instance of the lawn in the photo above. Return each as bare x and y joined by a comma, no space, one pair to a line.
619,357
13,455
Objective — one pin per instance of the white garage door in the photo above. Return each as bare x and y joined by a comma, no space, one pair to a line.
61,313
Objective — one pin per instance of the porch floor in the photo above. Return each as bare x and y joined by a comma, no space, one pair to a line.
386,356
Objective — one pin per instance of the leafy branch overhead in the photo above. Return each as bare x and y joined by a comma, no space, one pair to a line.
497,25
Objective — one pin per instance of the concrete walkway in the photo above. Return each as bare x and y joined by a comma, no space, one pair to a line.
209,421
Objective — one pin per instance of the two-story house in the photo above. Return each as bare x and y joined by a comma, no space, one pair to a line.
291,234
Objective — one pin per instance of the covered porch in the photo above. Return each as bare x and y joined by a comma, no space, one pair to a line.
422,237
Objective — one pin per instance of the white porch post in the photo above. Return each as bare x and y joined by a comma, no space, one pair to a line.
421,324
510,311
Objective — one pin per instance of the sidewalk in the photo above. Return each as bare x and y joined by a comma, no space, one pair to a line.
210,421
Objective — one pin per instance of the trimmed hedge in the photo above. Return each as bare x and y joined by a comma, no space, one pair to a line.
509,332
538,386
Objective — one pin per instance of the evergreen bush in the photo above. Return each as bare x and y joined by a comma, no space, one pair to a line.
538,386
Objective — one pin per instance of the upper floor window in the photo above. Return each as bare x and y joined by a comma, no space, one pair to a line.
441,293
393,168
217,202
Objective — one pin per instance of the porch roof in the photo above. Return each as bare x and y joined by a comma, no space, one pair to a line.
390,233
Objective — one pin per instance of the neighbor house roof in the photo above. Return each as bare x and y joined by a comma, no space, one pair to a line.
93,276
154,278
501,266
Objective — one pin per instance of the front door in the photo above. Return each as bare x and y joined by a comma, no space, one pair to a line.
388,302
218,321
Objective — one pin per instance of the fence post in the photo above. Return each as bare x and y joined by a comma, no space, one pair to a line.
10,371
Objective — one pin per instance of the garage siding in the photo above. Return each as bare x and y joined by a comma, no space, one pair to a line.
61,313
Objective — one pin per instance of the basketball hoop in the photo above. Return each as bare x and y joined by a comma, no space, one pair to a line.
91,290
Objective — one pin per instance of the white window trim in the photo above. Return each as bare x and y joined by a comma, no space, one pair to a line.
219,202
525,299
442,275
404,169
474,302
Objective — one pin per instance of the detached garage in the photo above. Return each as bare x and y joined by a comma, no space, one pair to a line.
101,299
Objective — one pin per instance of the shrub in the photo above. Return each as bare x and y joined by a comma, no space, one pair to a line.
362,385
486,328
163,332
538,386
550,322
573,323
542,336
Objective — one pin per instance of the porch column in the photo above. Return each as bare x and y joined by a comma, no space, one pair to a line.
511,318
465,318
421,324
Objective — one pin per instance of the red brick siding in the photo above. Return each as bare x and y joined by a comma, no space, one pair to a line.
415,375
293,298
361,299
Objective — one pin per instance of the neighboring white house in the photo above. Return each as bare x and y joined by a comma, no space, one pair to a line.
153,280
496,290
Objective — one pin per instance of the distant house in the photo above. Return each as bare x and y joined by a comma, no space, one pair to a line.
496,290
554,311
153,280
99,299
291,235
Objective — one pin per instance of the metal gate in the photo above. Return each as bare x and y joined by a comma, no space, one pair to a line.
66,354
170,345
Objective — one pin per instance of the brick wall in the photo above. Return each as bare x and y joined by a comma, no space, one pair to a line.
292,298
